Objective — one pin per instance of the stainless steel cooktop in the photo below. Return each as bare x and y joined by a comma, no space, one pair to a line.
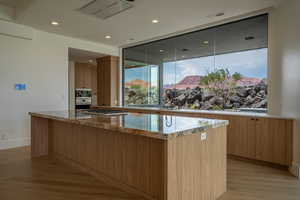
105,112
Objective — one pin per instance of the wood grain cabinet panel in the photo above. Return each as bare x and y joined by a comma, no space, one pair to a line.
86,77
274,140
263,139
108,80
243,137
189,178
258,138
132,160
39,137
184,167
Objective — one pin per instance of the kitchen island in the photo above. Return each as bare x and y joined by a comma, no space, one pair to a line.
159,157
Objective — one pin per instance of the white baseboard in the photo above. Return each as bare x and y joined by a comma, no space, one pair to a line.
13,143
295,170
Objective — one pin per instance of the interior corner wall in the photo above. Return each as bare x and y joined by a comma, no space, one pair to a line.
42,64
285,60
120,100
71,85
274,68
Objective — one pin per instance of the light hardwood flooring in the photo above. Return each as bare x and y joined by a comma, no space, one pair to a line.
24,179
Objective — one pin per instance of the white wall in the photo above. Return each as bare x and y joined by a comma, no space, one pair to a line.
288,51
41,63
284,68
71,85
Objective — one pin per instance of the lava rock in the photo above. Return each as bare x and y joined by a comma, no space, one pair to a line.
234,98
207,95
242,92
131,93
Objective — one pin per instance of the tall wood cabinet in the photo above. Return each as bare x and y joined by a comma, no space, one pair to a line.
86,77
108,81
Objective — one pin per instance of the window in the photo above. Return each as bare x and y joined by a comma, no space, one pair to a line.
220,68
141,84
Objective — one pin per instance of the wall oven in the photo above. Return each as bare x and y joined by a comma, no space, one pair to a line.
83,98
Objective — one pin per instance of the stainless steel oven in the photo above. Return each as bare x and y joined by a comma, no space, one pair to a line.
83,98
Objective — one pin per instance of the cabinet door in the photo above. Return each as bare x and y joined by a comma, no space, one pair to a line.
107,80
274,140
242,136
83,75
101,83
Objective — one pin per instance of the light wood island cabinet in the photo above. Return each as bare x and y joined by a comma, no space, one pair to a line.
155,156
258,137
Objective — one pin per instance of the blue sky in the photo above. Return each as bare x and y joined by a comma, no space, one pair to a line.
251,63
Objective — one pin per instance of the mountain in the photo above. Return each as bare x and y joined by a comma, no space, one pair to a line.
247,81
188,81
194,81
191,82
136,82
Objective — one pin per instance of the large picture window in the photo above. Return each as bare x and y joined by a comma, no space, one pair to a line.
220,68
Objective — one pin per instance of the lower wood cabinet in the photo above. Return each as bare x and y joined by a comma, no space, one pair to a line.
274,140
264,139
241,137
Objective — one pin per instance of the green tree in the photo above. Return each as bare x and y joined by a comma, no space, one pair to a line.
237,76
216,78
136,87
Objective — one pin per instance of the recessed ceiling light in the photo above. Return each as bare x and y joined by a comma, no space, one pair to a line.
205,42
155,21
54,23
108,37
161,50
220,14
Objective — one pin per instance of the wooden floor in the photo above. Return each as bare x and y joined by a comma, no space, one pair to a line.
24,179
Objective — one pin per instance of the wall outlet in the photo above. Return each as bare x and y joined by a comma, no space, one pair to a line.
203,136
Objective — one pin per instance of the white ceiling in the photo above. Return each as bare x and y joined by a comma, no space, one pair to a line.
174,16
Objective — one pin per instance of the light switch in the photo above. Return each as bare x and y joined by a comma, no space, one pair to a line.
20,86
203,136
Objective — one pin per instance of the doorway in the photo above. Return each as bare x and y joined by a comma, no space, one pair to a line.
83,77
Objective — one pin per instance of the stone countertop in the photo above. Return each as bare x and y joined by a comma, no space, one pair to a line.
212,112
150,125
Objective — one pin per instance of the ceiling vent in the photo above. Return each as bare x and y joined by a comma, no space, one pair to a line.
104,9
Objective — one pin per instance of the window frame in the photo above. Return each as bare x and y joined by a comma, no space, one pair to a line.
160,69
